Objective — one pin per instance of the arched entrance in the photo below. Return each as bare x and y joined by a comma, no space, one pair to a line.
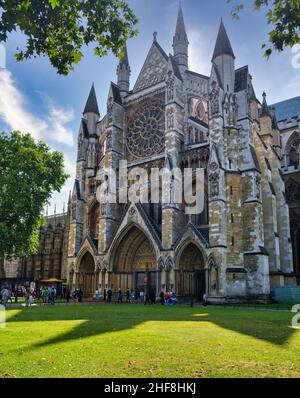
86,277
134,264
192,281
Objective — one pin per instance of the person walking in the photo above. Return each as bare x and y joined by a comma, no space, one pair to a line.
97,296
109,295
104,295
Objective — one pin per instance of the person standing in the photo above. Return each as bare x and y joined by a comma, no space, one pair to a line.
120,296
105,295
162,297
5,296
30,299
127,296
68,295
45,295
80,294
97,296
132,296
109,295
152,297
16,296
147,298
142,296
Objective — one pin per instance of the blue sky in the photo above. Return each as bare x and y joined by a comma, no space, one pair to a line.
34,98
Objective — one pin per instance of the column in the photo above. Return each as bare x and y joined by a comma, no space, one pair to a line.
76,279
158,282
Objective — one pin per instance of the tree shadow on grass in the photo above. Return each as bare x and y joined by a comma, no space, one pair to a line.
270,326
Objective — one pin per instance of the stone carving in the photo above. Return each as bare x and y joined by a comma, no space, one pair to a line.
169,264
146,127
200,112
110,108
201,155
154,70
170,118
132,211
257,184
214,98
214,178
170,87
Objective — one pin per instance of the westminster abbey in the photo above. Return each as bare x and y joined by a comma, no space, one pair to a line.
245,242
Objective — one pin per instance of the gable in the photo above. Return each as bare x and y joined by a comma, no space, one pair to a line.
154,69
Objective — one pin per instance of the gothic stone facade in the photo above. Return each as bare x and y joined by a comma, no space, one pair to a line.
239,248
50,261
288,121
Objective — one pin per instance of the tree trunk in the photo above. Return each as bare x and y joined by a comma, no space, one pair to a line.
2,272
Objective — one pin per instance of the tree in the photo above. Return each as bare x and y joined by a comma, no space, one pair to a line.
283,16
29,173
59,29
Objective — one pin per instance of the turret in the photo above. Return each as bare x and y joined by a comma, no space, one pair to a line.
123,73
224,58
266,122
91,112
181,43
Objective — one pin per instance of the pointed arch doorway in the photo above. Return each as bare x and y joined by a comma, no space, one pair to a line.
86,276
134,263
192,281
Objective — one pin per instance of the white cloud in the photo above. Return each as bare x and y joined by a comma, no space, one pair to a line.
199,51
13,109
57,120
15,114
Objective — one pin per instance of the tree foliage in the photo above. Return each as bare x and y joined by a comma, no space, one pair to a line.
283,16
29,173
59,29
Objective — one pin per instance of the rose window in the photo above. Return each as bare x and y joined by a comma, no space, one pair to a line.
145,136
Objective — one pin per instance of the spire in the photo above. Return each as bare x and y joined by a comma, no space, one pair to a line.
124,60
265,109
180,42
223,46
92,104
180,33
123,73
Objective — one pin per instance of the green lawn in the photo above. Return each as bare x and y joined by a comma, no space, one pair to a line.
148,341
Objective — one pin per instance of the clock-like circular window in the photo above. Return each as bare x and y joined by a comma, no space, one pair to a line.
146,126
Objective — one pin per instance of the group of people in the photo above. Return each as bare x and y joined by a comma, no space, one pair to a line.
12,295
46,295
138,296
168,298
